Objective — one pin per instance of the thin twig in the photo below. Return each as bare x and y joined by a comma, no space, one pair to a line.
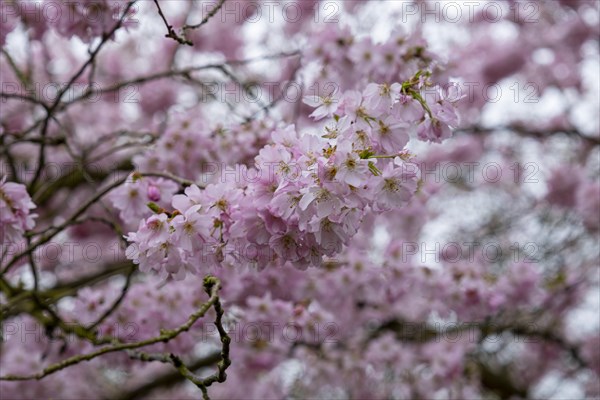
170,31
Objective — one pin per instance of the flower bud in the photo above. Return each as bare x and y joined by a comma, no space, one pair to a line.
153,193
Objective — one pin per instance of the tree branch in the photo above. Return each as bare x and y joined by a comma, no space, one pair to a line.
212,285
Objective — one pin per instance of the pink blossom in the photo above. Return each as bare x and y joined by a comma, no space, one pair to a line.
351,169
15,206
588,204
395,186
381,97
325,105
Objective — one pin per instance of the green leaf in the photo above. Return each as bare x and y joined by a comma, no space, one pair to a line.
155,208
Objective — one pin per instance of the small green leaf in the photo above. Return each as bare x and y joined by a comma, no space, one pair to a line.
155,208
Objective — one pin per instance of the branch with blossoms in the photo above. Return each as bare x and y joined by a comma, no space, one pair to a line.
47,234
523,130
212,286
168,379
71,179
410,332
22,300
50,110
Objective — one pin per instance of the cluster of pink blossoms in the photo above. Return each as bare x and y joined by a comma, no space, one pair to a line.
15,211
201,149
571,189
306,195
131,198
90,19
